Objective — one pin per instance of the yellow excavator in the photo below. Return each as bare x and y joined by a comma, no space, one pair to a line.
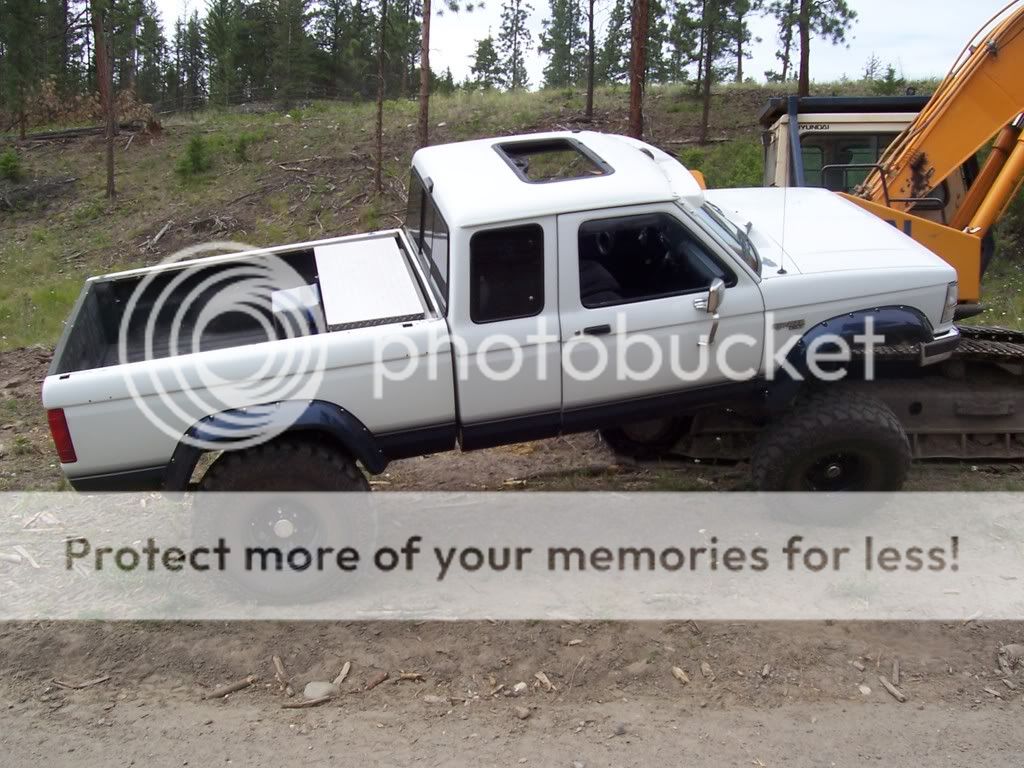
980,101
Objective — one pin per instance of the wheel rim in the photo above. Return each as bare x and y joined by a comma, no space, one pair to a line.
836,472
282,524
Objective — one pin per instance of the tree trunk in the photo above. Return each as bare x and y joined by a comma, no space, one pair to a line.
105,79
804,86
378,176
638,68
423,136
591,56
22,120
700,50
787,44
709,61
740,33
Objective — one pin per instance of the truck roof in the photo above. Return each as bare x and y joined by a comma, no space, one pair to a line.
489,181
778,106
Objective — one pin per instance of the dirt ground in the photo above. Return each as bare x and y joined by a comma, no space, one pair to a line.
772,694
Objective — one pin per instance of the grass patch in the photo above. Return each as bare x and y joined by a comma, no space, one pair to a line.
732,164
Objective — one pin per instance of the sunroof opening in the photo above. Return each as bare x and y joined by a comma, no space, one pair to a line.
546,160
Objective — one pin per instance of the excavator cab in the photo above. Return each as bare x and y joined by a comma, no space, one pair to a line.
841,140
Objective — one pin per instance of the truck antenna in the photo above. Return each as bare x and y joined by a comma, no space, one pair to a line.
782,244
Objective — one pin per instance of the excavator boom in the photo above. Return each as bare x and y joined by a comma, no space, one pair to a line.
983,93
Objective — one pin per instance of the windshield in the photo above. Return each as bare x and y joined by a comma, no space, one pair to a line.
712,217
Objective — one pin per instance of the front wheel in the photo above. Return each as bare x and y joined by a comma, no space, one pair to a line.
833,441
646,439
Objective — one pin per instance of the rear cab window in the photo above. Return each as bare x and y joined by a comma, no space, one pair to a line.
428,232
506,273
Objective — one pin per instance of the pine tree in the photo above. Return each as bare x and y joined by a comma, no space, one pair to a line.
193,63
613,59
20,25
565,43
742,10
785,14
485,69
254,42
220,30
716,35
658,68
802,20
331,25
152,56
290,54
827,19
683,36
125,23
514,39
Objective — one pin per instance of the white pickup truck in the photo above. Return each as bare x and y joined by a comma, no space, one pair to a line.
542,285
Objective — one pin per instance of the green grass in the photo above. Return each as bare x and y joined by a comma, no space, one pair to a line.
731,164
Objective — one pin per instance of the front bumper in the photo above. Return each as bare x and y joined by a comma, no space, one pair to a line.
940,348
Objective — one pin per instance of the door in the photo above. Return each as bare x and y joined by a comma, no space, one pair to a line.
509,385
633,292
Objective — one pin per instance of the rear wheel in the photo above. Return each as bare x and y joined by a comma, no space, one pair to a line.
833,441
646,439
277,517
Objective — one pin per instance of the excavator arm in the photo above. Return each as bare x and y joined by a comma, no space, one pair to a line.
981,98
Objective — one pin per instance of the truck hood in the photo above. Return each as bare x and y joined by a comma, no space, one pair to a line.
813,230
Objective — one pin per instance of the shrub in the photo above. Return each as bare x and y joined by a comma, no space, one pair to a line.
10,165
196,159
241,147
731,164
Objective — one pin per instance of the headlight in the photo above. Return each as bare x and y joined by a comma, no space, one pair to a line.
952,294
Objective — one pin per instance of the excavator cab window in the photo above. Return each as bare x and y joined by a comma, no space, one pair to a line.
831,149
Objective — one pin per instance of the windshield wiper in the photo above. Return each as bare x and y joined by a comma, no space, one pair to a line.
747,248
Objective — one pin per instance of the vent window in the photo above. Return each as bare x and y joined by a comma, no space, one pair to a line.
545,160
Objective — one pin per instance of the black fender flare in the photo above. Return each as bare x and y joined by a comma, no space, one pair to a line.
312,416
898,324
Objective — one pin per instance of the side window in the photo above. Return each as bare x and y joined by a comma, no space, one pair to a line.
435,242
635,258
414,210
429,234
506,273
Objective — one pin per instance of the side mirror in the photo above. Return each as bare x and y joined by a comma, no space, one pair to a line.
715,295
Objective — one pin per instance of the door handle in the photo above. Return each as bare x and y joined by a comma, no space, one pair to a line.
701,304
598,330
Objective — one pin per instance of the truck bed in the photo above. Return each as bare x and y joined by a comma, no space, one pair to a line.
331,285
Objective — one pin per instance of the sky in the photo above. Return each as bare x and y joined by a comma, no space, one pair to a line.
921,38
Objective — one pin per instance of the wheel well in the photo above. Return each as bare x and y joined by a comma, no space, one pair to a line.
190,466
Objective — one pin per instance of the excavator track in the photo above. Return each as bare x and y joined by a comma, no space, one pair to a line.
970,407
